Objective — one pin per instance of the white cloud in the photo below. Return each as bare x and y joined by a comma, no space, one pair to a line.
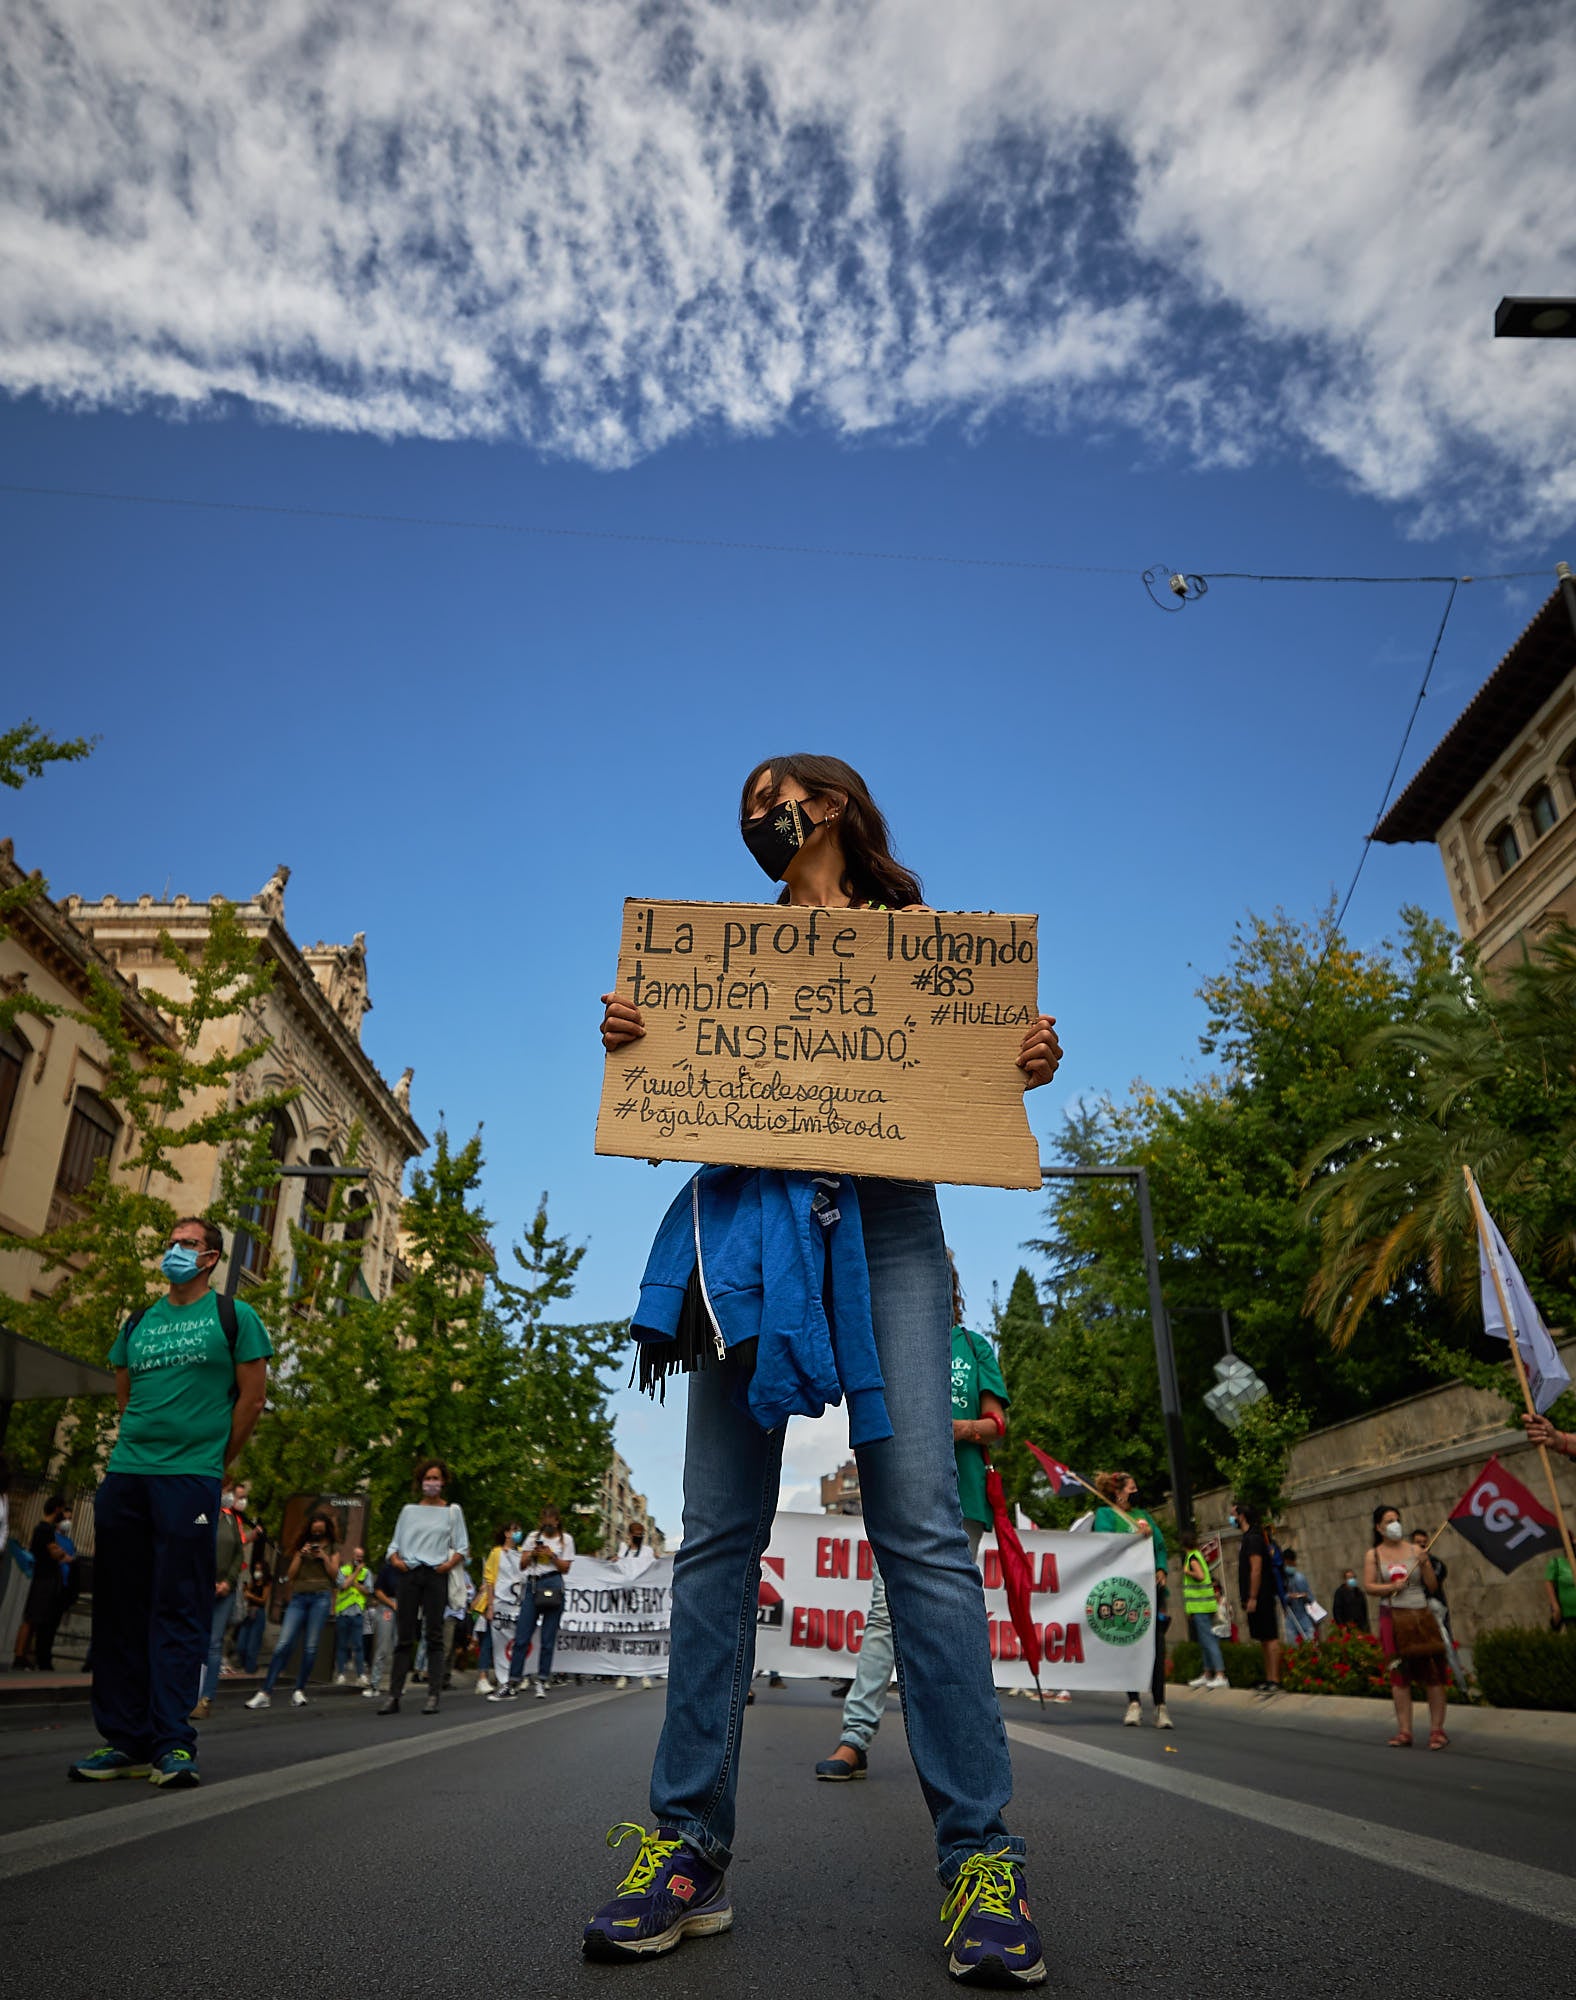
599,225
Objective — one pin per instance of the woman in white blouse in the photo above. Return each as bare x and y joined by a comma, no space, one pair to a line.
545,1559
429,1539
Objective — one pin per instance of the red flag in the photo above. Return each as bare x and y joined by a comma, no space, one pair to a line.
1062,1481
1016,1574
1502,1520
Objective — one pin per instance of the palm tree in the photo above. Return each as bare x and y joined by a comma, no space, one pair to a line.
1493,1064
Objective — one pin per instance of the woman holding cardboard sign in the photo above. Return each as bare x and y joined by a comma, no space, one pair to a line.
811,824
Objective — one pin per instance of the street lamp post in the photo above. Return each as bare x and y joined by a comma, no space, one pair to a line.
1165,1355
307,1173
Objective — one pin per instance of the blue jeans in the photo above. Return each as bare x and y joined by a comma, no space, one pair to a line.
867,1696
1203,1623
249,1637
153,1610
915,1526
305,1617
223,1612
348,1643
524,1626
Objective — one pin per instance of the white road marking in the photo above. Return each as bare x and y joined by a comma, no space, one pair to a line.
63,1840
1536,1892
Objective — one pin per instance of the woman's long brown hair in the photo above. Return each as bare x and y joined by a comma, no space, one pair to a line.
873,874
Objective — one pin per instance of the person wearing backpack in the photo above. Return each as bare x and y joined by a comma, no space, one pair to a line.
191,1375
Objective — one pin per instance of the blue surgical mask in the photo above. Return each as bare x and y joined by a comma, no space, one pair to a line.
517,1536
179,1263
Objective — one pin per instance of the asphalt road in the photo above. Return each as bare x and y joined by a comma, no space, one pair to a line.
333,1853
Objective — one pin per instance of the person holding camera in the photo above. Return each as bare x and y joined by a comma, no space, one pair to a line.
429,1540
313,1569
545,1561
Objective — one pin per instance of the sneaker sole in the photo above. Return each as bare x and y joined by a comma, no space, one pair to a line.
842,1777
704,1923
105,1777
991,1972
183,1781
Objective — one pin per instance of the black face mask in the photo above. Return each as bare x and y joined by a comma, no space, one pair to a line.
778,835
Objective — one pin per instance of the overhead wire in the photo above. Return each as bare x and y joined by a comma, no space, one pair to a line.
731,543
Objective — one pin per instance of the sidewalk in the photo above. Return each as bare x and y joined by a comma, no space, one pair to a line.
1525,1735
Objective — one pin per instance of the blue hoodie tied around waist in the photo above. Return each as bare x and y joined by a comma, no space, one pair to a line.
770,1249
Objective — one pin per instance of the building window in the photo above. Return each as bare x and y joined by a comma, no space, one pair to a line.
14,1053
1504,847
1540,808
319,1192
90,1137
262,1215
360,1217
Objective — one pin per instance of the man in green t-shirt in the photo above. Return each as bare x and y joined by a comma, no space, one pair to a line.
979,1419
191,1373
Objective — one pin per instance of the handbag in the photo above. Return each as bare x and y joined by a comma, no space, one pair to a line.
1417,1634
459,1583
548,1592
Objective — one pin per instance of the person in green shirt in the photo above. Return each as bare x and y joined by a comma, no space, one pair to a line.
1557,1581
979,1418
190,1378
1121,1515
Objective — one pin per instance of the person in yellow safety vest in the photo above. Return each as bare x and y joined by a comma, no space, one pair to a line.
1202,1606
353,1588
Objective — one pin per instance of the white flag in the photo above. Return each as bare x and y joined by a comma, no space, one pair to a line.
1546,1373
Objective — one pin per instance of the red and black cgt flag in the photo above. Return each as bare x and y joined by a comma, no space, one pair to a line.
1502,1521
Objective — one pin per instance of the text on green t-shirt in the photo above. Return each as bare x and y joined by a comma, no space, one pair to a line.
975,1372
182,1382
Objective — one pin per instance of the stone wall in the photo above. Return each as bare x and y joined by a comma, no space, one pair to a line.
1420,1456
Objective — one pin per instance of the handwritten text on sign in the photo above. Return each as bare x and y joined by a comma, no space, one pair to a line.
870,1041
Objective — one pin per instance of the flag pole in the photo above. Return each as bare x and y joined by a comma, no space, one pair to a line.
1512,1337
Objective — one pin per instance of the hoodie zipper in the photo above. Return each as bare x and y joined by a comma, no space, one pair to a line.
700,1271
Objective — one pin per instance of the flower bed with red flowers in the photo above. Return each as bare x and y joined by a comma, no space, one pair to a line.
1347,1662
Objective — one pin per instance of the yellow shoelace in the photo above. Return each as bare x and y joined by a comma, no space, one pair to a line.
654,1851
984,1882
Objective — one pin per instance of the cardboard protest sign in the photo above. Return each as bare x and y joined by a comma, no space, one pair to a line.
1093,1600
856,1041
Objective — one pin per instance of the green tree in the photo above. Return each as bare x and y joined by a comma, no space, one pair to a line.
26,753
456,1362
1494,1065
1256,1465
1289,1024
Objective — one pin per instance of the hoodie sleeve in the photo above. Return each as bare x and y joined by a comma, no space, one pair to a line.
667,1272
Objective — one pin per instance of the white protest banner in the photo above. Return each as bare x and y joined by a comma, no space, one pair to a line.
615,1619
1093,1604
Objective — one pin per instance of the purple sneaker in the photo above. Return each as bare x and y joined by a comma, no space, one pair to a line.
992,1936
670,1893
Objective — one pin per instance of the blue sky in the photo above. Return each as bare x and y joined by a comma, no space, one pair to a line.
727,282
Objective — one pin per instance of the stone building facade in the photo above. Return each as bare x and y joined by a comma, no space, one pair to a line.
311,1015
1420,1456
54,1125
621,1504
1498,795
